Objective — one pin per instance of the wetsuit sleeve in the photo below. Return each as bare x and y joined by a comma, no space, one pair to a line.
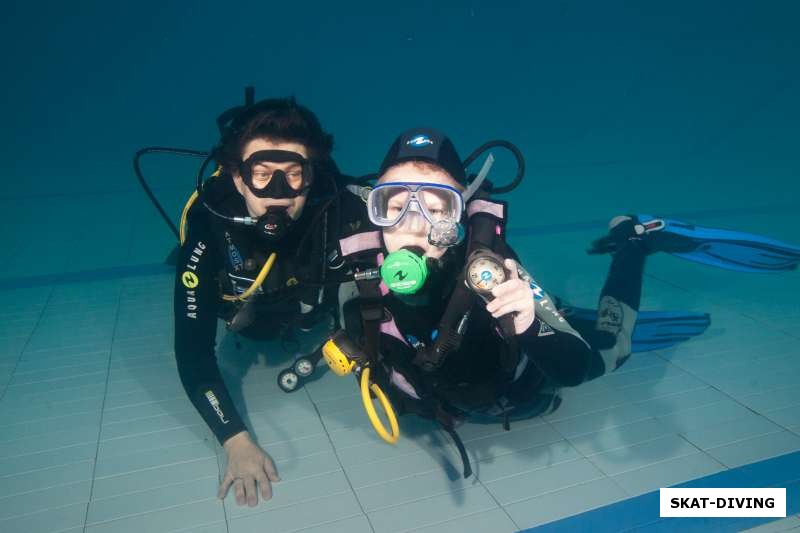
196,304
554,346
557,350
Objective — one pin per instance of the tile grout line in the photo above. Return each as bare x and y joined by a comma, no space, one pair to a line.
339,460
146,469
495,500
736,311
151,511
734,400
27,342
442,522
220,475
588,459
102,407
376,462
152,487
325,523
311,501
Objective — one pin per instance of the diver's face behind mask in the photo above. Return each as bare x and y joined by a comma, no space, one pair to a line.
290,194
414,226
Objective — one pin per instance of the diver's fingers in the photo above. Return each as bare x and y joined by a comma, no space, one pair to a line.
269,468
227,481
238,488
512,266
264,485
525,312
250,491
516,305
510,287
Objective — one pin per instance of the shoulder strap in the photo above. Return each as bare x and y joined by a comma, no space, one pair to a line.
452,327
486,230
371,306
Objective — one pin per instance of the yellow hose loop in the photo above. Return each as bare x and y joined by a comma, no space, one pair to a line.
369,407
257,283
184,214
189,204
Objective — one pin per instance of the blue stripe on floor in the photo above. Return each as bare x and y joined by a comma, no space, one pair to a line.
694,216
641,513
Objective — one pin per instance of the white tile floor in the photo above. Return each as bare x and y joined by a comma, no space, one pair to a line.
98,436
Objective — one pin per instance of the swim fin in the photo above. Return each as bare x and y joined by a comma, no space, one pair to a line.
655,330
731,250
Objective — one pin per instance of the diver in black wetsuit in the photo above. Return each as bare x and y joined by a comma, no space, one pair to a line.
463,331
272,209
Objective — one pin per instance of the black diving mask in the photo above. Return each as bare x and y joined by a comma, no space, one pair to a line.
265,181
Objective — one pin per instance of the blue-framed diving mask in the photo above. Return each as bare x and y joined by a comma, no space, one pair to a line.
397,203
442,206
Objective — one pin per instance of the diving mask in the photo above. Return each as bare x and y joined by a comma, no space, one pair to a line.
440,205
388,203
265,181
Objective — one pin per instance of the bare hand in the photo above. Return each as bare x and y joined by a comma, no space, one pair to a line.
248,465
513,296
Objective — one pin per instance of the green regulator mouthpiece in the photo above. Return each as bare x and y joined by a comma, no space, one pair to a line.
404,271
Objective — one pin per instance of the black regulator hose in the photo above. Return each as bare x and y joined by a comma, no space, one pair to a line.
138,170
511,148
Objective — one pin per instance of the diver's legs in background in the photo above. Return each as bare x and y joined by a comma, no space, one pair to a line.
731,250
618,309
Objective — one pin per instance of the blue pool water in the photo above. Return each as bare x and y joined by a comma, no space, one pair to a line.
686,109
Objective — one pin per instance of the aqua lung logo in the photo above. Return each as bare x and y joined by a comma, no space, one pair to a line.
400,275
541,298
191,304
190,279
419,140
538,293
486,275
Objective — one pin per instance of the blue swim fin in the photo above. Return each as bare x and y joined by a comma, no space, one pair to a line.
731,250
655,330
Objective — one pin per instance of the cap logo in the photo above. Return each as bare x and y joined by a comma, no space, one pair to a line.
419,140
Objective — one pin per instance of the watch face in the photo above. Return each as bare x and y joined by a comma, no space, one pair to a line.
485,273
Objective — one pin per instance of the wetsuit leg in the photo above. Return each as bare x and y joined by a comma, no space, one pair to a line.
616,313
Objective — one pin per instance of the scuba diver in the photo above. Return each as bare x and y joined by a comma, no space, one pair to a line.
255,241
449,325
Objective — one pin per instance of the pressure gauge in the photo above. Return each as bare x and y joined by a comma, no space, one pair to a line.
485,271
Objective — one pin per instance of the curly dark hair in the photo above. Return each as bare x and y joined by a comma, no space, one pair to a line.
278,119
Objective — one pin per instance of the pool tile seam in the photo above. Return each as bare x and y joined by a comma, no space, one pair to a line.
27,343
102,406
339,460
150,511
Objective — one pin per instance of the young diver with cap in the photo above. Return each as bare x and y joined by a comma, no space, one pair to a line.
255,255
451,326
